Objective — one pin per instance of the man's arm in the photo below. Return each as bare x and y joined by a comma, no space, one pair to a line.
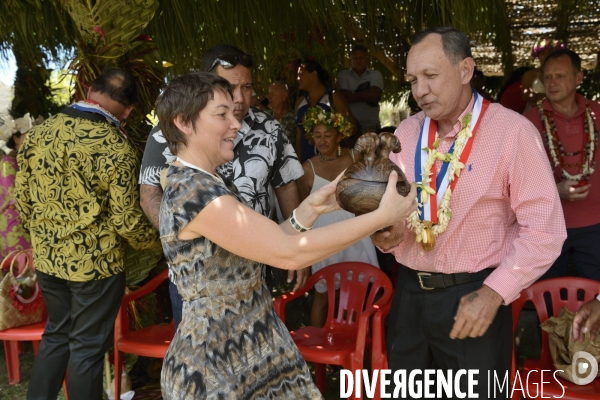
539,242
289,199
150,199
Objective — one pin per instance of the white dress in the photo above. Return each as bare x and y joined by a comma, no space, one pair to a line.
363,251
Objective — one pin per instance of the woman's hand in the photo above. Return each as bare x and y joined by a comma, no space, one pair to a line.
394,207
323,200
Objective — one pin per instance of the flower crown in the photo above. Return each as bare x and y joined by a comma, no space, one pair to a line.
546,44
317,116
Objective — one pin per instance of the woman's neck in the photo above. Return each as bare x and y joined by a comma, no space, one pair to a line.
315,92
197,161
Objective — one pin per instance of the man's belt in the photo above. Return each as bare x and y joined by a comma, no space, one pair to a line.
430,280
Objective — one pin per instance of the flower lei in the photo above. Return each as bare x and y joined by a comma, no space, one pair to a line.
455,167
552,143
317,116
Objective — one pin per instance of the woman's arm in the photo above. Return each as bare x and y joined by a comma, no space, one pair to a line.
242,231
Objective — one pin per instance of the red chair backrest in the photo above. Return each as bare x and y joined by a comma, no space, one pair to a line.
568,292
358,290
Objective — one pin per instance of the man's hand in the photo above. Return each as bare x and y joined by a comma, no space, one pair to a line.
301,277
476,311
568,191
587,320
390,237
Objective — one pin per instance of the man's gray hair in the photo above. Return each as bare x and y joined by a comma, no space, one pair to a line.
454,42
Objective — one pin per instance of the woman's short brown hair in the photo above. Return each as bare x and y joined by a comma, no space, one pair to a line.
186,96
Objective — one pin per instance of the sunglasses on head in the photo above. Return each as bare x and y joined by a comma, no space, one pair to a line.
230,61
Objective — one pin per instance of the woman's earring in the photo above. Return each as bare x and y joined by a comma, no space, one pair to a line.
339,150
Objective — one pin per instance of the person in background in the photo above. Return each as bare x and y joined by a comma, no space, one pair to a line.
280,105
471,248
362,88
327,130
76,190
12,235
510,92
568,124
532,84
263,155
230,343
315,81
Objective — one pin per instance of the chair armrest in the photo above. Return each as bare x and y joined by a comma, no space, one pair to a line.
281,301
147,288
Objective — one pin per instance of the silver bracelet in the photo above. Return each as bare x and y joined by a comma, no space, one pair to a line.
297,225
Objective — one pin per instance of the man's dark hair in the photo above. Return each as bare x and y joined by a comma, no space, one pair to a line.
574,57
186,95
225,51
311,65
117,84
455,43
359,47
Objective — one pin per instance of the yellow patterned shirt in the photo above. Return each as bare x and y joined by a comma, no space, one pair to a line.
77,193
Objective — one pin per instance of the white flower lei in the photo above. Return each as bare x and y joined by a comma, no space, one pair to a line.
587,167
443,213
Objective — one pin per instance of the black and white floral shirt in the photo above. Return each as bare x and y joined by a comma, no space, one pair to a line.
263,156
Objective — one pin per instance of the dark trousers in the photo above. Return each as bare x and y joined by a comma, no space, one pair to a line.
583,245
79,330
176,304
418,335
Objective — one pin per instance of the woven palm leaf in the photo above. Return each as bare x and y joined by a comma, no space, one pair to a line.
139,263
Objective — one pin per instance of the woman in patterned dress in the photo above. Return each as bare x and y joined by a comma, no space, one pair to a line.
12,235
230,343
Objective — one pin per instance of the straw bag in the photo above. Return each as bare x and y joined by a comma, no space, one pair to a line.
21,301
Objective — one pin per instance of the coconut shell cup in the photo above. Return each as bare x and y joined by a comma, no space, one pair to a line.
361,188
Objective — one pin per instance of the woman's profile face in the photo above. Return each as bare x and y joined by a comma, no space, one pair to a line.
215,130
326,140
304,76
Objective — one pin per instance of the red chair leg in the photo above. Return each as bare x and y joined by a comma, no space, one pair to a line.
11,349
117,394
320,376
21,347
36,346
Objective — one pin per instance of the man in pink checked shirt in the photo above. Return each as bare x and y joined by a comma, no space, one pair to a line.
490,223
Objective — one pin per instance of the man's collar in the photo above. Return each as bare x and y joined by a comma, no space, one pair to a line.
367,71
579,99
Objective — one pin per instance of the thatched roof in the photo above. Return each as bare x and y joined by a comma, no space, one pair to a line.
532,20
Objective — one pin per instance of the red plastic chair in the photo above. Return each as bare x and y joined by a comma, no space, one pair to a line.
343,339
151,341
13,337
535,294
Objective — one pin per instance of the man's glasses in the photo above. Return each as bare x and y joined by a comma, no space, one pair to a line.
230,61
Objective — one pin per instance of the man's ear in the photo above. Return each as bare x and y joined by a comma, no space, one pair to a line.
184,127
127,111
579,78
467,66
89,92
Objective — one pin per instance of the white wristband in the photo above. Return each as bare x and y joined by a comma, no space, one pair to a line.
598,297
297,225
